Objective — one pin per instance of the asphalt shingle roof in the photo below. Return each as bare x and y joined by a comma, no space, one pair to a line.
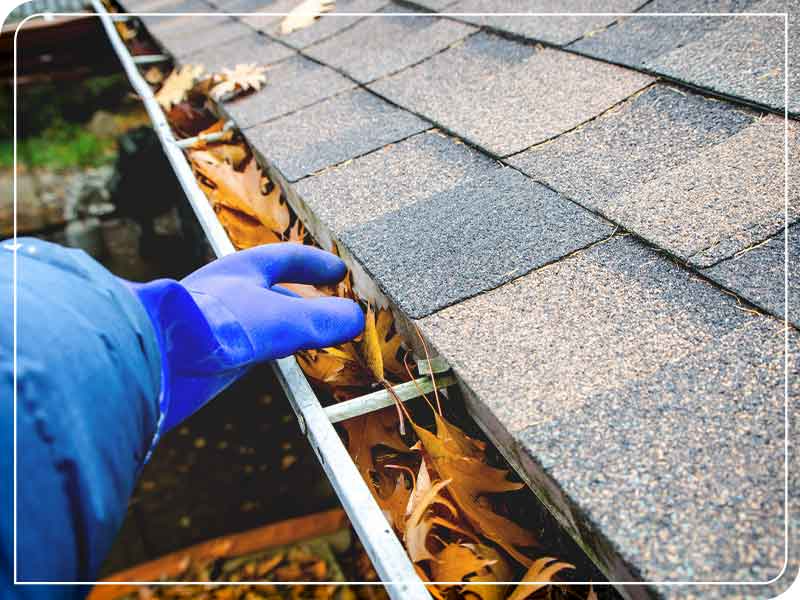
558,29
650,396
294,83
333,131
582,226
505,96
379,46
740,56
674,190
257,48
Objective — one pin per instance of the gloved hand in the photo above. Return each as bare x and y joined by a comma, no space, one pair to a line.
215,323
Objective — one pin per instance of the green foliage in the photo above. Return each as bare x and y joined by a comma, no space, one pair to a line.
63,145
51,122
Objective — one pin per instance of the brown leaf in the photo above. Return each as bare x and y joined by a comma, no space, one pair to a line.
188,120
215,127
497,570
241,191
240,79
432,589
459,443
456,561
332,366
541,570
394,506
390,343
370,431
297,233
304,14
422,483
304,290
371,347
179,82
418,527
233,154
153,76
243,230
470,479
126,32
421,489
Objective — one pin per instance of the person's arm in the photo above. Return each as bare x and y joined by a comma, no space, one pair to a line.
104,366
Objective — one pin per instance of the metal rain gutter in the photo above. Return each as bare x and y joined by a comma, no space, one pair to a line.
379,540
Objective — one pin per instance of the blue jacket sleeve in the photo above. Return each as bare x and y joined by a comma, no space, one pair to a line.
87,387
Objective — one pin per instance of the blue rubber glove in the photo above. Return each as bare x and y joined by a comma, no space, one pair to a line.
215,323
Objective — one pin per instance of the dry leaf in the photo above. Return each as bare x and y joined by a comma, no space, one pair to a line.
370,346
422,484
241,78
390,343
154,75
126,32
470,479
394,505
497,570
179,82
541,571
216,127
233,154
456,561
244,231
418,527
365,433
187,120
304,14
297,233
241,191
304,290
432,589
330,366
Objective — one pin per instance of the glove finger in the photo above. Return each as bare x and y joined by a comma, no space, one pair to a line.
301,324
297,263
286,262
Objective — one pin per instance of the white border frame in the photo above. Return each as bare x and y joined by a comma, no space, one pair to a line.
15,246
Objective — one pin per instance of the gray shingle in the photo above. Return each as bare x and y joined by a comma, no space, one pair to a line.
505,96
724,201
482,226
192,35
758,274
270,10
739,56
634,40
153,22
698,177
291,85
328,24
657,130
378,46
388,179
647,395
249,48
559,30
637,39
330,132
743,58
